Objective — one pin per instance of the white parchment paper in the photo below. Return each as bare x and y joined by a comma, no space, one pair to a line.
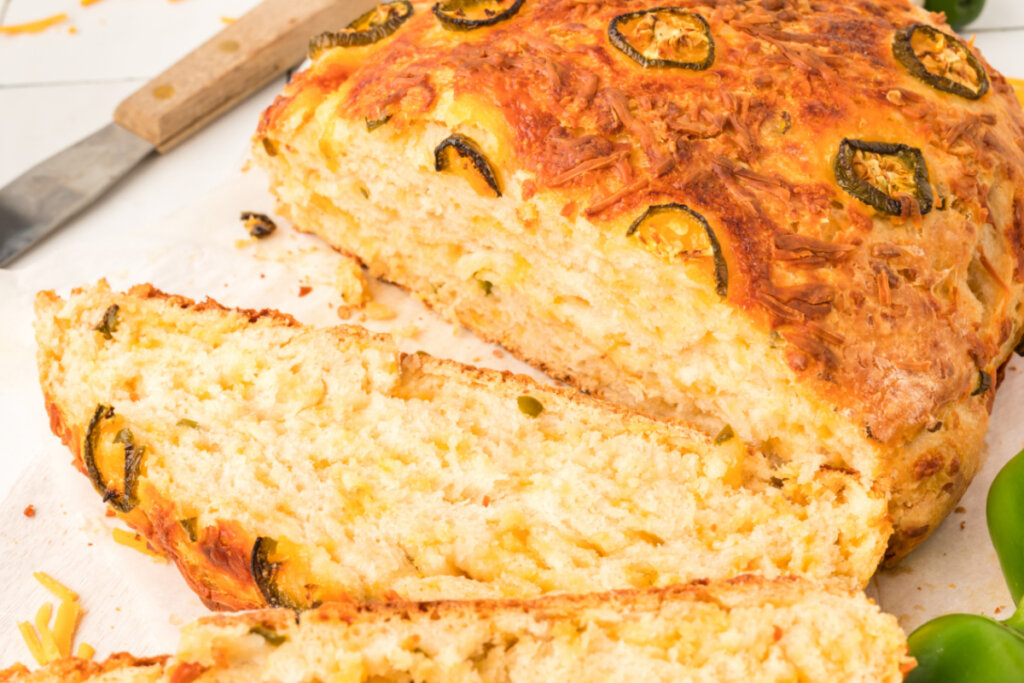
135,603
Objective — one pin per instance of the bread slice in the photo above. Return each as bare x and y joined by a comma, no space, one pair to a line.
824,330
746,629
285,465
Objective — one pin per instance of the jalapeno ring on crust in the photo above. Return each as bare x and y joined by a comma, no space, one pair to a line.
984,383
264,573
674,231
940,60
126,500
377,24
460,155
879,173
665,37
466,15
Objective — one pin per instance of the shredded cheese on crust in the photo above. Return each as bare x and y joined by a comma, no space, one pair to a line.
136,542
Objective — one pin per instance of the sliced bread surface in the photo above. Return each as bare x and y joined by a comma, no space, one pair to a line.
742,630
287,465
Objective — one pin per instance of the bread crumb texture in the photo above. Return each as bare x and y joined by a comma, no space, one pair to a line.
848,335
286,465
748,629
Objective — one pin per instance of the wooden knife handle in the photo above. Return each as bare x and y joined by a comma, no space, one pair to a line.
246,55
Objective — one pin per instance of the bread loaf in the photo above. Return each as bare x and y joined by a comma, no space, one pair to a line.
747,629
801,219
285,465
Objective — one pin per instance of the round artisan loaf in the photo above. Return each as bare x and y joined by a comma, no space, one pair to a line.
803,219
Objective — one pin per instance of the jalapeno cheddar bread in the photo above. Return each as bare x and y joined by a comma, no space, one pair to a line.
741,630
801,219
283,465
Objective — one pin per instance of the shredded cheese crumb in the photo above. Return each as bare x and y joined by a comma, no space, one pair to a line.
50,644
85,651
34,26
136,542
377,311
32,641
86,3
64,626
58,589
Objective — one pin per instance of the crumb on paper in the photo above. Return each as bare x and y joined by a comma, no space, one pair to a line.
351,283
406,332
304,290
345,312
29,511
497,353
37,26
378,311
959,509
962,525
109,513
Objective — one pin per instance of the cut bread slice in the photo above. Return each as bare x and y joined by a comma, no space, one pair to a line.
287,465
746,629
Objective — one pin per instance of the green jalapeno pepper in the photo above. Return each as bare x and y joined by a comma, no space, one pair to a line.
962,648
958,12
940,61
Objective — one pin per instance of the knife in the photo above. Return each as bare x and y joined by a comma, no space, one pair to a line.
246,55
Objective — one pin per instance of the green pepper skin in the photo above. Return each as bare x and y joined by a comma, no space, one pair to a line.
964,648
1005,513
362,31
958,12
620,41
861,189
721,267
904,54
447,14
264,573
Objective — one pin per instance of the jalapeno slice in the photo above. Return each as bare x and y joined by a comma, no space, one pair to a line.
268,634
665,37
374,124
108,325
459,155
466,15
189,526
940,60
265,573
984,383
881,173
95,448
377,24
677,232
259,225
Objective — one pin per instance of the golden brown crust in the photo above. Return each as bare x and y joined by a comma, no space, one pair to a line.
75,670
893,358
884,315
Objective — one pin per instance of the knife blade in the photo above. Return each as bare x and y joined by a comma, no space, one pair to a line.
50,193
241,58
